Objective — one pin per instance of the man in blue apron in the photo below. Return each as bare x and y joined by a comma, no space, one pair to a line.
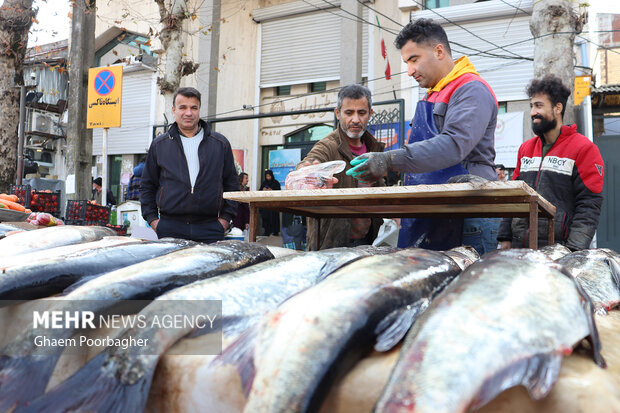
453,133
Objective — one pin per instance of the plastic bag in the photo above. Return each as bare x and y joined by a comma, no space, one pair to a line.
388,234
317,176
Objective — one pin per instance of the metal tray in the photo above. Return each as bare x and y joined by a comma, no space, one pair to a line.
9,215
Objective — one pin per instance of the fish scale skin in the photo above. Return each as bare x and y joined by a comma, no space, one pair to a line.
596,271
498,313
303,342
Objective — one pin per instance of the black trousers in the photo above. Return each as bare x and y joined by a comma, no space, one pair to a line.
204,231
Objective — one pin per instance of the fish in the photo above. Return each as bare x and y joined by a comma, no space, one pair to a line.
464,256
35,279
555,251
40,239
118,381
504,322
299,349
7,228
598,272
19,363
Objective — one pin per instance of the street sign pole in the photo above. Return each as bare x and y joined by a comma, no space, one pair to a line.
104,168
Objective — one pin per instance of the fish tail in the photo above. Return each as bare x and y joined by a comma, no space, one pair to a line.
241,355
96,388
23,379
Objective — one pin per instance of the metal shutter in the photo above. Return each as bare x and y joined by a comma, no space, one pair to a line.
137,117
507,77
305,48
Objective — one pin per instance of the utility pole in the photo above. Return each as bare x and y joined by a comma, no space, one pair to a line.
554,25
351,42
79,149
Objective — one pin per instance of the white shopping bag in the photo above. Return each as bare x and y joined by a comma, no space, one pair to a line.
388,234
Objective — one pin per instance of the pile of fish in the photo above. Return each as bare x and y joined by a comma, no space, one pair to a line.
427,331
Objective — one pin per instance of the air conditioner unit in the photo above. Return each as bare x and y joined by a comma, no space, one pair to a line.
45,122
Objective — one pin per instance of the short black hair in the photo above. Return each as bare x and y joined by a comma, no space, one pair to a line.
98,181
423,31
354,91
188,92
241,175
500,166
551,86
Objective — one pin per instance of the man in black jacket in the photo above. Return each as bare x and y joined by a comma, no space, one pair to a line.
187,170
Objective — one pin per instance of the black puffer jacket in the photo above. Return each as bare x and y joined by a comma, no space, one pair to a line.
166,185
570,176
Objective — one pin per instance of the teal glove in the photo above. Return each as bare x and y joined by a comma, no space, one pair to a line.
354,172
370,167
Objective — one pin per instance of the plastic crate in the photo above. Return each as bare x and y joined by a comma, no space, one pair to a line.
23,193
85,213
120,229
41,201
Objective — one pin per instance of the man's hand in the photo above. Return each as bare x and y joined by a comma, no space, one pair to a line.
370,167
223,222
505,245
315,162
154,223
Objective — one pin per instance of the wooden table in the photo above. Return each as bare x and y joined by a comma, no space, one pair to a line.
491,199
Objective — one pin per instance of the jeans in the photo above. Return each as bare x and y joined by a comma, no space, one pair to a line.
481,233
205,231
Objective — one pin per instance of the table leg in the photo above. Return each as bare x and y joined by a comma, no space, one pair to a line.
253,222
551,235
533,223
317,233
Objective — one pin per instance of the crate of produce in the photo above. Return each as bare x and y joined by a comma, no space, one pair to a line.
85,213
120,229
23,193
45,201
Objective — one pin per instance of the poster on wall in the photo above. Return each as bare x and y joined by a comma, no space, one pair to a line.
508,138
283,161
239,155
387,133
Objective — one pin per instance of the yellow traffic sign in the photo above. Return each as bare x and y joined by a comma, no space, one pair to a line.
105,89
582,88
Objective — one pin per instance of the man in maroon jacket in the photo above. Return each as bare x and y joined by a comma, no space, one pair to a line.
563,166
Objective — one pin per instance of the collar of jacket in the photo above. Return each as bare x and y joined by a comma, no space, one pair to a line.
461,66
372,145
173,131
566,131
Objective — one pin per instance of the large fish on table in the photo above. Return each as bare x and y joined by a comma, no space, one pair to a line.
40,239
299,349
503,323
118,381
45,277
598,272
24,376
6,228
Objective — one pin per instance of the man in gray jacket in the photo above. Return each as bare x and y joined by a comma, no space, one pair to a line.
453,133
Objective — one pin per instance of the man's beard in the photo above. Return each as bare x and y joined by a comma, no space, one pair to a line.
544,126
351,134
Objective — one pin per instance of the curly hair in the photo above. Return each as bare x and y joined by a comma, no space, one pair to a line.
551,86
423,31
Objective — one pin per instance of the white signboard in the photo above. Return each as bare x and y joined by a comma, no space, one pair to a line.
508,138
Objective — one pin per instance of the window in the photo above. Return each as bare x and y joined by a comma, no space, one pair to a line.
502,107
283,90
310,134
318,86
435,4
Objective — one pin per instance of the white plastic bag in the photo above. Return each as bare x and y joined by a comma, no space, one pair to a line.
388,234
317,176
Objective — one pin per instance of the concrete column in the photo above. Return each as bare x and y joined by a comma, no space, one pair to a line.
351,42
79,149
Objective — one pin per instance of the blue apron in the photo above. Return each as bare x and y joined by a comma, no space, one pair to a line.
429,233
